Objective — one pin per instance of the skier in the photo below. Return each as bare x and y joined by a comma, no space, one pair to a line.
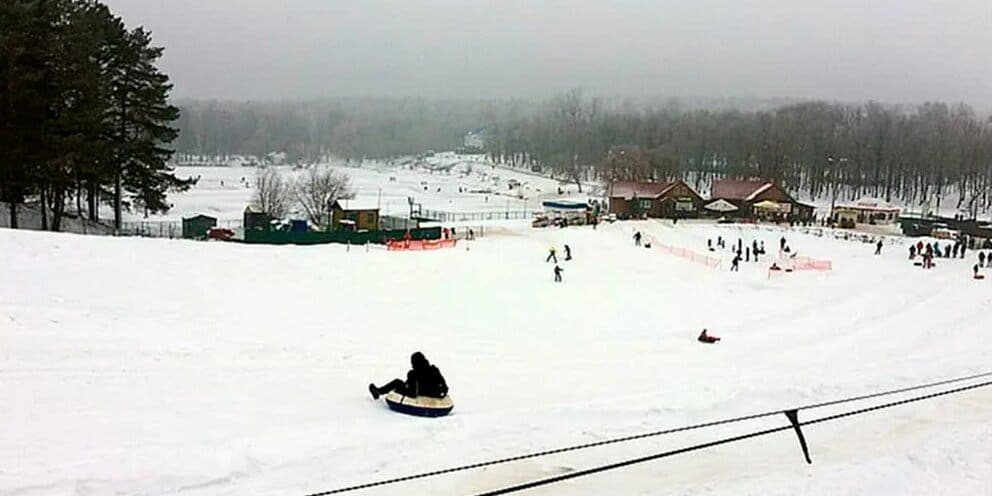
706,338
878,247
558,271
637,238
568,253
735,263
981,259
423,379
552,255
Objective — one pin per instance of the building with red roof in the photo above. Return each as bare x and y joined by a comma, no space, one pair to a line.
747,193
631,200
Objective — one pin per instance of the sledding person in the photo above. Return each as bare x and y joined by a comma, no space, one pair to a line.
558,271
552,255
878,247
568,253
423,379
706,338
637,238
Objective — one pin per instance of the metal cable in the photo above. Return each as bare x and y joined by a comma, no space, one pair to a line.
643,436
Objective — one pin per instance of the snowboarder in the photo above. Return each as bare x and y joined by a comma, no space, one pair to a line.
552,255
878,247
706,338
637,238
558,271
735,263
981,259
423,379
568,253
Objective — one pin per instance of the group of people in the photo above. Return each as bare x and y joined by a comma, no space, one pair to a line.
553,257
928,251
742,252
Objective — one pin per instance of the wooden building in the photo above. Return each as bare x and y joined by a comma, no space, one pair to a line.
198,226
631,200
761,198
354,215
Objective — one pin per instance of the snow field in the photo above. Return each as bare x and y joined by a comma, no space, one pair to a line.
138,366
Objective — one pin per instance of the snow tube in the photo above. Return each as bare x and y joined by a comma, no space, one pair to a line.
980,276
421,406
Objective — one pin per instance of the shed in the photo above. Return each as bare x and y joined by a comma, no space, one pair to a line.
256,219
866,211
362,215
196,227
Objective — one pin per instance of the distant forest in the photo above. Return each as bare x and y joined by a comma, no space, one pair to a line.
914,154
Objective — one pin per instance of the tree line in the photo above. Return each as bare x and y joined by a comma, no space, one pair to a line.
84,113
915,154
348,128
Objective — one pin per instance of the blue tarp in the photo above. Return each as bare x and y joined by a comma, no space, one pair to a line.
564,205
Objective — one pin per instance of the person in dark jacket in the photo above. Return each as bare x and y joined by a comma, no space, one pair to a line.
568,252
981,259
423,379
706,338
558,271
637,238
878,248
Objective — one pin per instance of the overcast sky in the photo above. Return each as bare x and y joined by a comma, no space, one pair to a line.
889,50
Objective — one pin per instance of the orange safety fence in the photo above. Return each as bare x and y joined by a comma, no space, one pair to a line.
806,263
420,245
687,254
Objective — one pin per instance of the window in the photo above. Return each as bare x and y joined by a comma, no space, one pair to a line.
645,204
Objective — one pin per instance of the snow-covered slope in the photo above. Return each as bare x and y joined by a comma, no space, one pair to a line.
139,366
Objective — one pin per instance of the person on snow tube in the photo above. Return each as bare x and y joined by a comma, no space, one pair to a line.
423,379
706,338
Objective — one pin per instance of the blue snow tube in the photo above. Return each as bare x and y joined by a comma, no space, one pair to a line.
421,406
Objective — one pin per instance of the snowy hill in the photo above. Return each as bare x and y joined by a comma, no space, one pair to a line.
139,366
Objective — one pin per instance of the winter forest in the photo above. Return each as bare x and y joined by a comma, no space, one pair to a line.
908,153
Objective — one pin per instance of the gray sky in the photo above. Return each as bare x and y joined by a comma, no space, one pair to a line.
889,50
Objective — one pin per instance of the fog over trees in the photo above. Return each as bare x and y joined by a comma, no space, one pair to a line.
905,153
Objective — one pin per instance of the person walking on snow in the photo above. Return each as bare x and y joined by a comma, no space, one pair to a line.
558,271
568,253
878,247
981,259
552,255
637,238
912,252
735,263
423,379
975,269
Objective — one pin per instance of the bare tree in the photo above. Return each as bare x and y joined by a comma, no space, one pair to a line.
273,194
317,189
